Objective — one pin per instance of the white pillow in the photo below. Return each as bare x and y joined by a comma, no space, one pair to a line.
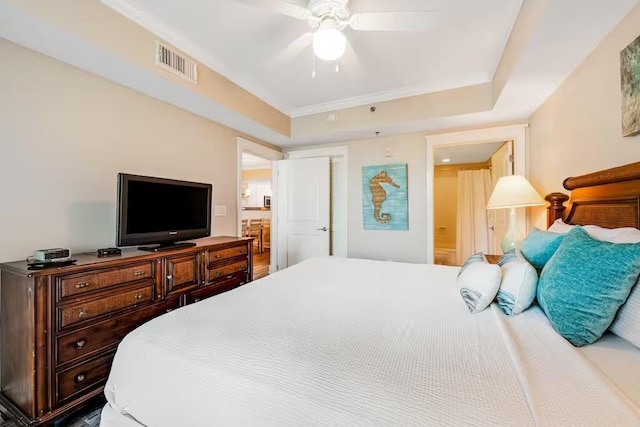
613,235
560,227
626,325
479,282
518,285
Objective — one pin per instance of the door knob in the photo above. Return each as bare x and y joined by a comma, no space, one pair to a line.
322,229
491,228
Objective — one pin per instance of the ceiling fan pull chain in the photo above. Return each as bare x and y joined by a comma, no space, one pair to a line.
313,62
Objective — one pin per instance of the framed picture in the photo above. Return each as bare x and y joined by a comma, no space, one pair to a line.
384,197
630,85
267,201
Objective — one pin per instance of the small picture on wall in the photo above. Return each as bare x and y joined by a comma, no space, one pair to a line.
630,80
267,201
384,197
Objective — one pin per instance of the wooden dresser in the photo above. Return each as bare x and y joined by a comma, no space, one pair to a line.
59,328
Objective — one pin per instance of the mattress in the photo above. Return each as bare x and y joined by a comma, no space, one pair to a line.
355,342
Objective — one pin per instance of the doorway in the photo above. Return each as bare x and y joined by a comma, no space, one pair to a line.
257,199
256,210
515,133
464,177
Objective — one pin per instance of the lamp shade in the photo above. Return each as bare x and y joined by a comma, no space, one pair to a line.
514,191
329,43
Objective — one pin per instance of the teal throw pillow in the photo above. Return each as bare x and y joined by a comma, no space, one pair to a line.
585,283
539,247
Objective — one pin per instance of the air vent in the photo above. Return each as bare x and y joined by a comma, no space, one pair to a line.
177,63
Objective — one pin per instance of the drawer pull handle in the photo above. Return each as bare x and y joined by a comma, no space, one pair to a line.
82,313
81,343
139,273
217,256
217,274
82,285
139,296
80,377
169,310
229,276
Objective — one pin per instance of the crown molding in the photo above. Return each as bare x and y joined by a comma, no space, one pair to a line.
196,52
372,98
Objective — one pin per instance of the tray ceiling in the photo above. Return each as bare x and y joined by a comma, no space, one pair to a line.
270,55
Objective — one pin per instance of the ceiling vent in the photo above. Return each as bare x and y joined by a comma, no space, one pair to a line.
177,63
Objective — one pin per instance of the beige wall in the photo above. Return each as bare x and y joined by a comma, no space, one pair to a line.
445,192
578,129
67,133
256,174
99,24
445,202
402,111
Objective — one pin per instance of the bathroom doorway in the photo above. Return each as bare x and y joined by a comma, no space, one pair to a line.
463,178
516,133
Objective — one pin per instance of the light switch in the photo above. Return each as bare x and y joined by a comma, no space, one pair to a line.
220,211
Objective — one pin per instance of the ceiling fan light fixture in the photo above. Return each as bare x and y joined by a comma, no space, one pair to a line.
329,43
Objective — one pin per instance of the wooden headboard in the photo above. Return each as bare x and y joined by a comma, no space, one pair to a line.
609,198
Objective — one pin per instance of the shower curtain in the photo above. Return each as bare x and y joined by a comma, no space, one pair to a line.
472,230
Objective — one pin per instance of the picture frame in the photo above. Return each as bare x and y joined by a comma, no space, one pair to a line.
630,88
385,197
267,202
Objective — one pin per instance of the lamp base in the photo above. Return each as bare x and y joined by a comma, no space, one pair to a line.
512,239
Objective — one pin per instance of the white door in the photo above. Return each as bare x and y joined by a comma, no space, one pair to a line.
303,209
501,165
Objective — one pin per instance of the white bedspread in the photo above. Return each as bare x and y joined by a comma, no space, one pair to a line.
355,342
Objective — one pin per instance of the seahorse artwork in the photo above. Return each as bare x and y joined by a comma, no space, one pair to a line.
378,196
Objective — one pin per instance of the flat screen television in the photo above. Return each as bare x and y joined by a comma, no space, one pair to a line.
161,211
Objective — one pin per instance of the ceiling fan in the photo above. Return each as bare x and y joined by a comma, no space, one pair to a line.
329,17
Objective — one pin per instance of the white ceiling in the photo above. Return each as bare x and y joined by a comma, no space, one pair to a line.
468,153
270,54
249,161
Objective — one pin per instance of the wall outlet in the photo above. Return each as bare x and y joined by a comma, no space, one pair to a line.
220,211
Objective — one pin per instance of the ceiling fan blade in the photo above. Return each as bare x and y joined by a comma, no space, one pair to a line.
393,21
295,48
279,6
351,63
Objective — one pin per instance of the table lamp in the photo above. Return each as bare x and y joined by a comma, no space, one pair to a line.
513,191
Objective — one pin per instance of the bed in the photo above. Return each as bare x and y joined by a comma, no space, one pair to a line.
361,342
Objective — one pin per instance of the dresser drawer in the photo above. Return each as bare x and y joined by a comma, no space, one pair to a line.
82,377
79,284
228,283
221,254
70,315
78,344
218,273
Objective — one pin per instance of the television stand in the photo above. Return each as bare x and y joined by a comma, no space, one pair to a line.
167,247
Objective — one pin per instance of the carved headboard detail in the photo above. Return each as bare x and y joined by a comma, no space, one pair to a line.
609,198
